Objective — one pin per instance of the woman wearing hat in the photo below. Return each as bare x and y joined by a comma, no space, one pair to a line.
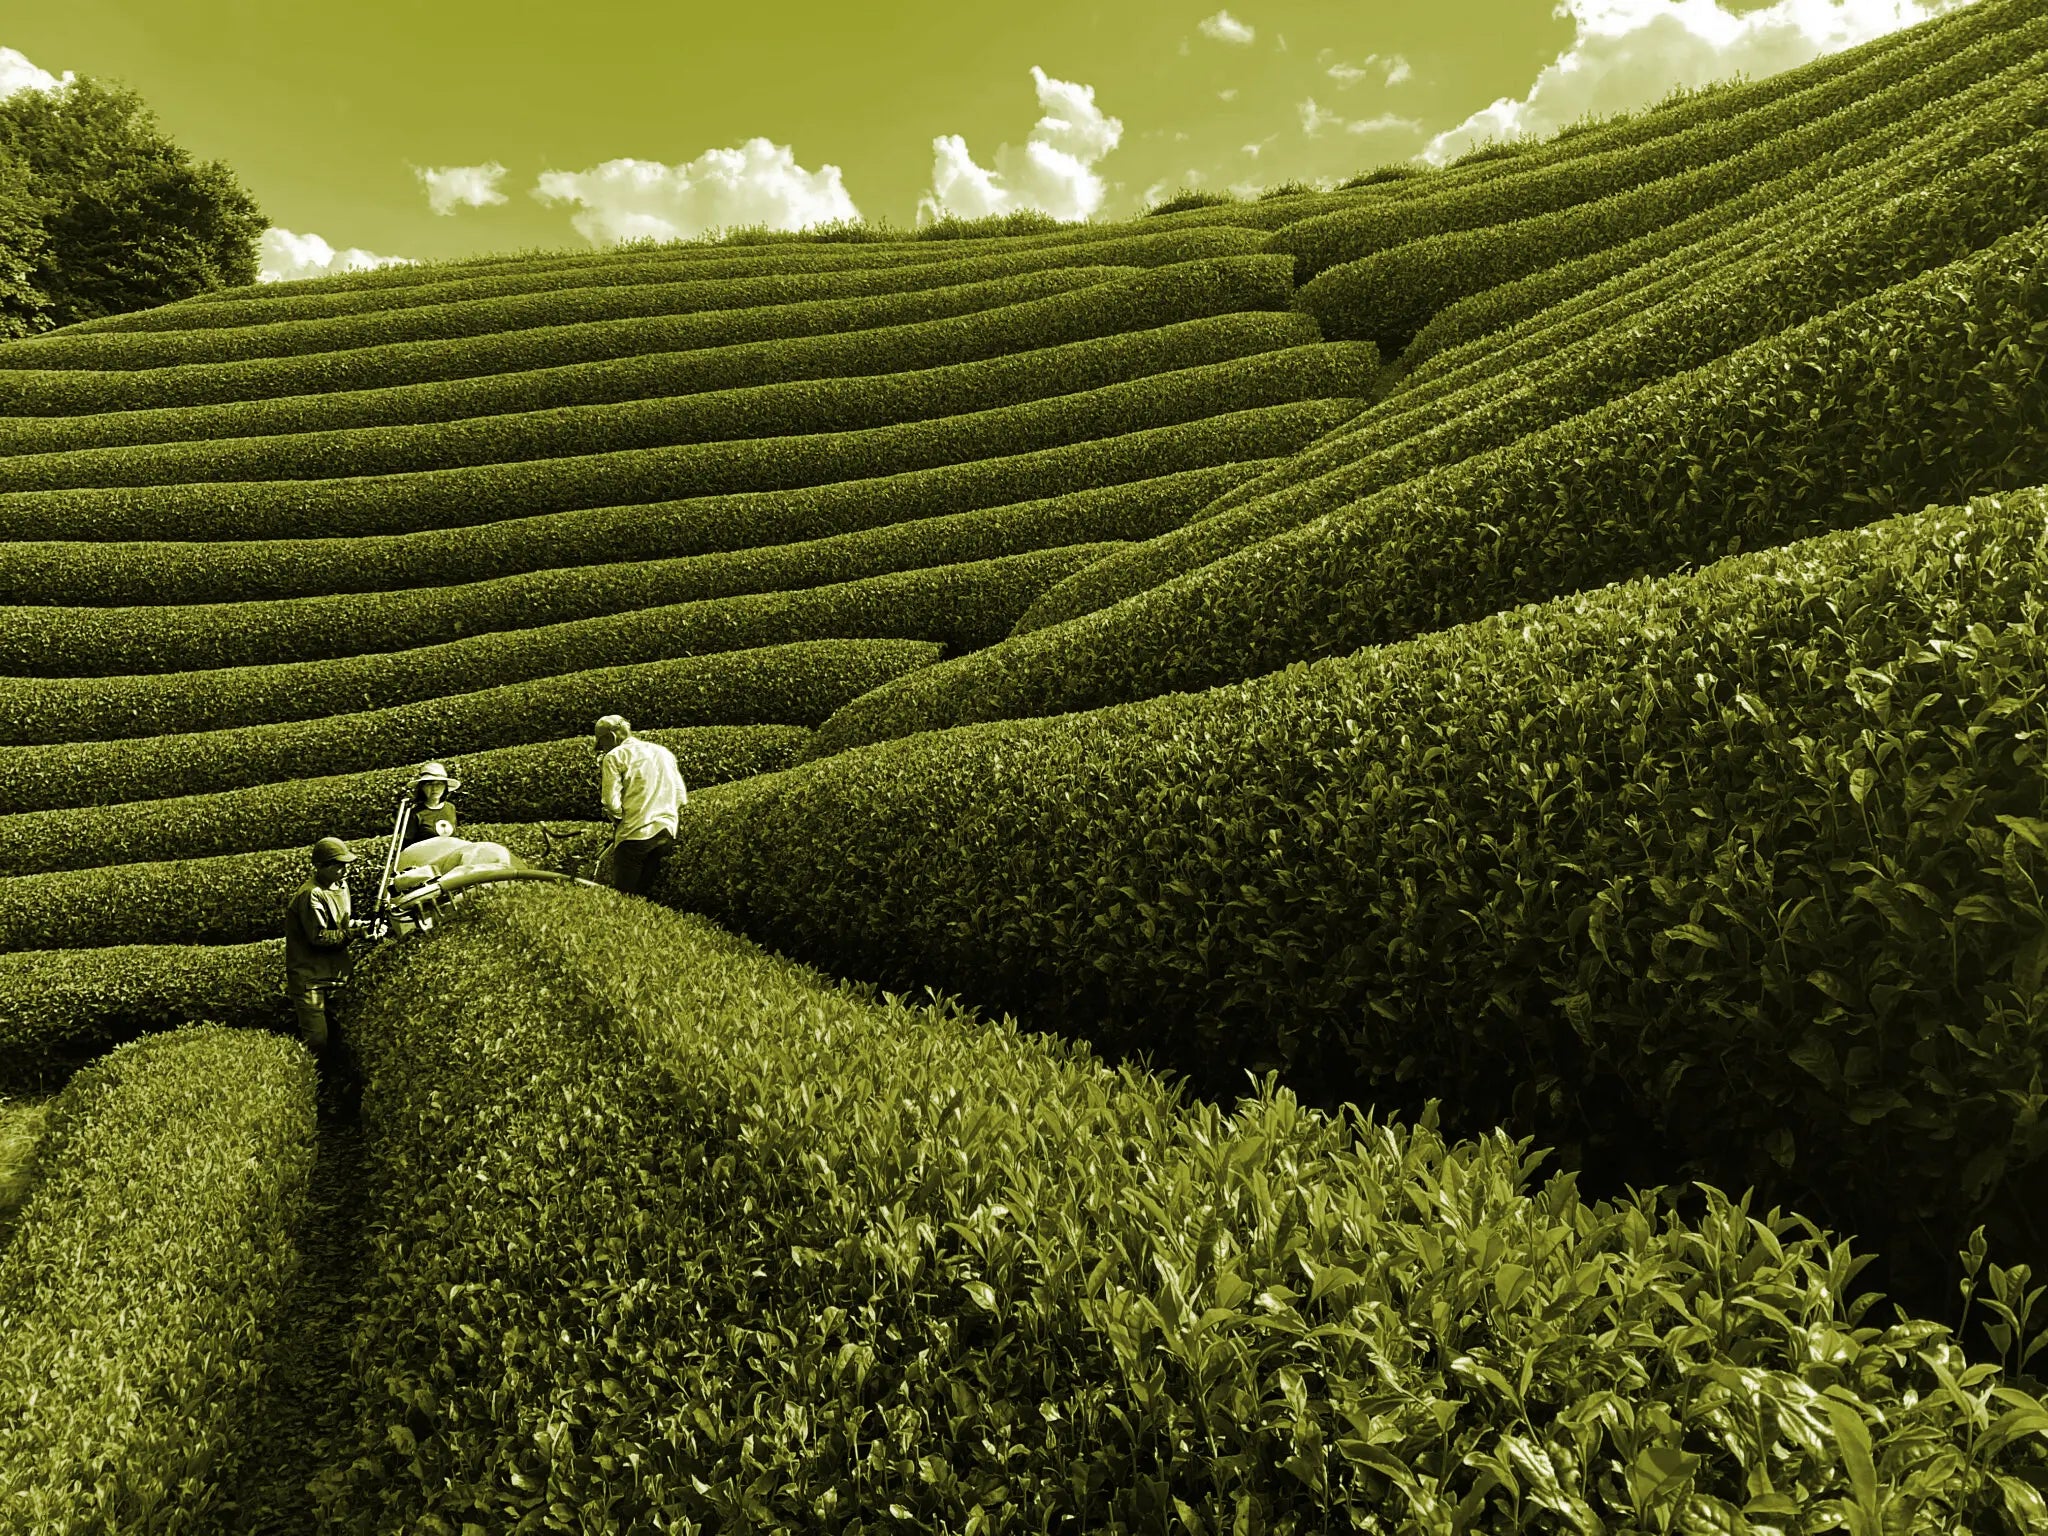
433,813
316,935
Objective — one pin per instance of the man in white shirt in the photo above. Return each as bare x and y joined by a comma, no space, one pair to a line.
641,789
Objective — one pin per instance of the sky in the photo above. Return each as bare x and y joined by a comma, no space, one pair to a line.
388,130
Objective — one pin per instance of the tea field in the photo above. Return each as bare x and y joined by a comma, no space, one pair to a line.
1362,861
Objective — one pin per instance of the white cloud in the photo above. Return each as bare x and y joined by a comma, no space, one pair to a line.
1386,122
449,187
1226,28
18,74
1629,53
758,183
1315,118
1229,95
1054,172
282,254
1255,150
1390,67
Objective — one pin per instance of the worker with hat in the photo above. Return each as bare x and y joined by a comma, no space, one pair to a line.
433,813
316,937
641,789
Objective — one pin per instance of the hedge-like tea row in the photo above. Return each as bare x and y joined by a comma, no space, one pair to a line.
1609,308
265,570
426,499
260,305
1725,99
1390,296
280,337
67,392
585,268
1750,857
61,1007
139,1294
797,684
1938,61
548,781
808,407
957,608
1940,137
186,637
1932,390
1187,291
1844,258
764,1249
574,267
235,898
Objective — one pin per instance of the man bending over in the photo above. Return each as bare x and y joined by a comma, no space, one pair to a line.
641,790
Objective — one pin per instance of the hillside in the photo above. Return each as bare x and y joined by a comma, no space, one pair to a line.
1548,648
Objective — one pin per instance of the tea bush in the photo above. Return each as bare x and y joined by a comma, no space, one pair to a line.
807,407
1927,391
1162,296
1389,297
494,277
956,608
794,252
260,305
59,1008
67,392
1122,488
281,336
1852,255
1939,138
423,499
140,1292
2004,121
677,1235
83,640
1782,131
548,780
1749,857
797,684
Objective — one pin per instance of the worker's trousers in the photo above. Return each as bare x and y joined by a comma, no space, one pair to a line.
636,862
309,1006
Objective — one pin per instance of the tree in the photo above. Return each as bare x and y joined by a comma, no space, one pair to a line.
23,309
127,219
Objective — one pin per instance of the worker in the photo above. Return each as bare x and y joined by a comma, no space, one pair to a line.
433,813
316,938
640,788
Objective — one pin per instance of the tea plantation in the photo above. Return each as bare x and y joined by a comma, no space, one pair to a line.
1362,861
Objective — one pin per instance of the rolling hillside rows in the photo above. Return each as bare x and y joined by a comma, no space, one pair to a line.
1550,644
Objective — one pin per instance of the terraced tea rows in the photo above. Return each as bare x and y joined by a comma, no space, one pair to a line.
269,549
1599,738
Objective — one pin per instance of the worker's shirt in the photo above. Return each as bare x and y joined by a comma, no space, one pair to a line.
430,821
641,789
316,933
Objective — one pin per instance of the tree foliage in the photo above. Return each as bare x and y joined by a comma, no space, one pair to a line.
101,213
21,249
